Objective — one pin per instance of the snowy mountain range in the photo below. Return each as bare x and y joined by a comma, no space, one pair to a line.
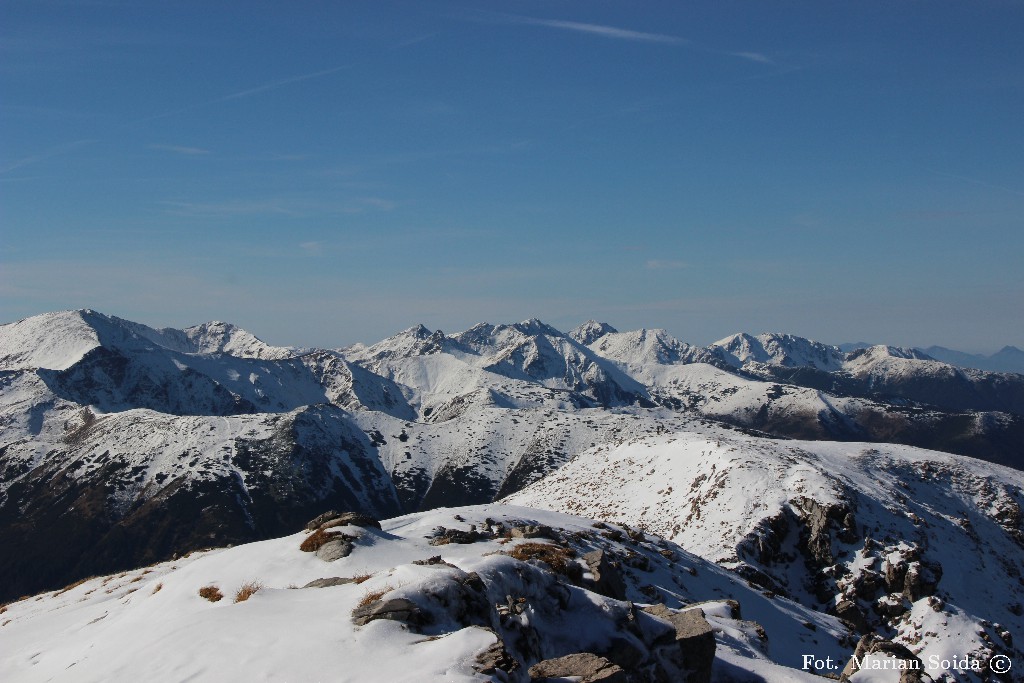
123,445
1006,359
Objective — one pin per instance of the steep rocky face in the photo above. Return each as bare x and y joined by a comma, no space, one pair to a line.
895,379
784,350
127,489
591,331
894,541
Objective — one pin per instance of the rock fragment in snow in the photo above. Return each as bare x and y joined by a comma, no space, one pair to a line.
694,637
328,582
586,667
531,531
396,609
607,576
872,644
334,550
495,658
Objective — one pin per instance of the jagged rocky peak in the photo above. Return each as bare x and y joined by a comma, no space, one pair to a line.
419,331
591,331
484,339
417,340
785,350
535,327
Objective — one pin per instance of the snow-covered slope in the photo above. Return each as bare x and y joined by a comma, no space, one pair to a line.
104,415
51,340
646,347
56,341
922,547
484,610
525,361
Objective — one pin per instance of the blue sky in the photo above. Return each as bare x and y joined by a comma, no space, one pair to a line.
329,172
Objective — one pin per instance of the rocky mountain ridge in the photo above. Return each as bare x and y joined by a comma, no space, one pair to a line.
108,427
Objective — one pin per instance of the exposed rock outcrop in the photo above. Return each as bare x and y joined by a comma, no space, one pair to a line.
607,574
585,667
395,609
909,664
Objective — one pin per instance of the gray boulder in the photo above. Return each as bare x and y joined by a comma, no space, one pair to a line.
849,611
532,531
328,582
608,579
585,666
495,658
694,638
334,550
351,519
319,520
396,609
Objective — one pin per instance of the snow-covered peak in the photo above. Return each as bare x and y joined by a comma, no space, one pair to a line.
643,347
56,341
485,340
785,350
591,331
221,337
52,340
535,327
880,351
417,340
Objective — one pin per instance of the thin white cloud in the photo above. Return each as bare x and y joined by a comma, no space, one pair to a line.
177,149
601,30
617,33
754,57
312,248
42,156
281,206
976,181
229,208
273,85
665,264
248,92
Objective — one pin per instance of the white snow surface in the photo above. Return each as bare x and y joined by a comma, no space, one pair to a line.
151,624
714,494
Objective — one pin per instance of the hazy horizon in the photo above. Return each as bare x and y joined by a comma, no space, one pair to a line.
565,327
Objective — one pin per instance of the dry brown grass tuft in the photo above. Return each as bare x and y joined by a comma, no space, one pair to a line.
315,540
359,578
373,596
70,586
555,556
156,588
211,593
247,591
